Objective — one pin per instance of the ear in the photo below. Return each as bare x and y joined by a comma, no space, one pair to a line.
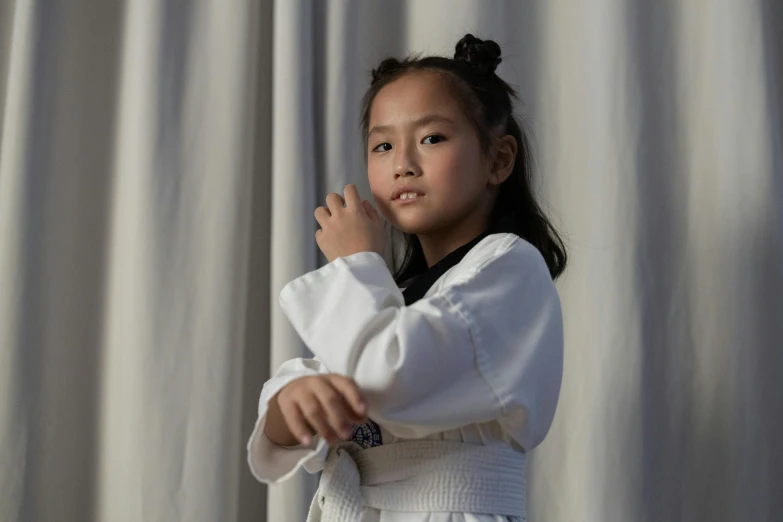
504,158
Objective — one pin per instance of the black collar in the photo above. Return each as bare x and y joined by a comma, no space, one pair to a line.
421,283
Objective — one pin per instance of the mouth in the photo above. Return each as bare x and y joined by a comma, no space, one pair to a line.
406,194
406,198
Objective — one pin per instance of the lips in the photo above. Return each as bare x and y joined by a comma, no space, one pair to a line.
404,189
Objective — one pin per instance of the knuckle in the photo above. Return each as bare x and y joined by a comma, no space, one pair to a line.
310,409
297,425
335,402
326,432
351,383
292,416
331,397
288,394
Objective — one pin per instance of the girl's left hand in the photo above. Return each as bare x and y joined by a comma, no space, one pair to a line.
345,231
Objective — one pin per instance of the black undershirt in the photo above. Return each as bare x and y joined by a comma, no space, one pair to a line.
418,286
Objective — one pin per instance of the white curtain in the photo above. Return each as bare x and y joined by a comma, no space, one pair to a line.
130,349
159,165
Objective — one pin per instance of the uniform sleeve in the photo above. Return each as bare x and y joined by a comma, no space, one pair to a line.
488,346
270,463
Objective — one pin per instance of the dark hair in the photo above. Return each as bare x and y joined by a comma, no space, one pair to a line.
487,101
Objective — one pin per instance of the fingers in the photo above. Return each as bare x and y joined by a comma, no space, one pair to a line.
370,210
338,413
352,198
317,418
321,215
335,202
353,396
328,405
297,425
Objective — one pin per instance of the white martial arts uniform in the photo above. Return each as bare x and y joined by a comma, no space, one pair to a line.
460,384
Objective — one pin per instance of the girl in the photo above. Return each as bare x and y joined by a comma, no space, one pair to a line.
428,388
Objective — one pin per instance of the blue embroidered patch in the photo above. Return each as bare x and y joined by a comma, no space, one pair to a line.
367,435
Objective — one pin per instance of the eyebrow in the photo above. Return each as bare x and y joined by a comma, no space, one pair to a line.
421,122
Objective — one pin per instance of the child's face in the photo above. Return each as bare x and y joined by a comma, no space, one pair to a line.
440,159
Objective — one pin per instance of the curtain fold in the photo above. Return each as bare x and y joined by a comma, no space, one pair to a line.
125,201
160,163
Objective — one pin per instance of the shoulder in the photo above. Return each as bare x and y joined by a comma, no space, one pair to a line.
498,254
501,280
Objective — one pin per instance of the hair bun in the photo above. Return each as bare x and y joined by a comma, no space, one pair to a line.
386,66
483,55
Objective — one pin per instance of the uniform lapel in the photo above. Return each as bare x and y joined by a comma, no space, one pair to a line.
420,284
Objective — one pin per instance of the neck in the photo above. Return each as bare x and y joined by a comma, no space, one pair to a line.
437,244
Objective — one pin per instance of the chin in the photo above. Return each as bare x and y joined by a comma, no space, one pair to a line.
411,226
416,222
409,230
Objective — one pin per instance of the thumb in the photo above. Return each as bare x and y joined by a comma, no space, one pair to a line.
370,210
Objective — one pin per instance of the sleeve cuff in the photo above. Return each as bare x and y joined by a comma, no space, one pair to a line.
270,463
273,464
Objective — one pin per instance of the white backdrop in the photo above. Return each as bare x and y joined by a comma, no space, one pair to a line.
159,166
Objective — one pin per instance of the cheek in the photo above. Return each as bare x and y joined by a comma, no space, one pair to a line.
375,181
380,188
456,172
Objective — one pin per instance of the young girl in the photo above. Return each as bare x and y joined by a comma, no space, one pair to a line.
428,388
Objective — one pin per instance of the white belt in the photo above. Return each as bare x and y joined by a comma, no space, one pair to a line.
420,476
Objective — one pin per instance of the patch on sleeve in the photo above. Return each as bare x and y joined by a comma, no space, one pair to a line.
367,435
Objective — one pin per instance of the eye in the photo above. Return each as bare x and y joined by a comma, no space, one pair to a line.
380,145
436,137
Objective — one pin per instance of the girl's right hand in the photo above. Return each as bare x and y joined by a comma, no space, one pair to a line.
328,405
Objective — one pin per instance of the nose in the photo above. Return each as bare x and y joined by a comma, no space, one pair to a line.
406,163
